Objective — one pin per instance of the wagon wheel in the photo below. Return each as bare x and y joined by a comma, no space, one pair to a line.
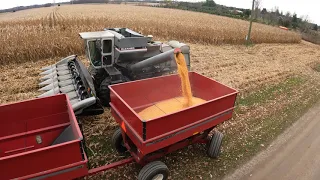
155,170
117,141
214,145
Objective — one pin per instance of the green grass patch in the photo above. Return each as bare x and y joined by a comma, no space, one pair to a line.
269,93
316,67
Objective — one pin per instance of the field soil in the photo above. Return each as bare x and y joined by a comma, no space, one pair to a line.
251,67
277,83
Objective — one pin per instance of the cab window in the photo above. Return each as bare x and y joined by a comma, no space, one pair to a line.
94,53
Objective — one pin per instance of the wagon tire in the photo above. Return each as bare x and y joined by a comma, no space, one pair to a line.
117,141
155,170
214,145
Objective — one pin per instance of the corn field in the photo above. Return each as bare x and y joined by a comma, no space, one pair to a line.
40,33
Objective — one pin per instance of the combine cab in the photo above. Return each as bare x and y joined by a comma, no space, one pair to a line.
116,55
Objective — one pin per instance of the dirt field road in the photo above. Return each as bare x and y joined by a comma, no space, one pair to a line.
293,155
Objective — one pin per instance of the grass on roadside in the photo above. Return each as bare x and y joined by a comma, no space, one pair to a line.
266,129
267,93
316,67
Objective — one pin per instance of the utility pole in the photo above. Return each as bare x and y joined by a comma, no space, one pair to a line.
248,40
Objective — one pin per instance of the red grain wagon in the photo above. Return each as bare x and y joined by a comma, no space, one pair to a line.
41,138
149,140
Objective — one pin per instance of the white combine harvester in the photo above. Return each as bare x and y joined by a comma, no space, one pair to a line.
116,55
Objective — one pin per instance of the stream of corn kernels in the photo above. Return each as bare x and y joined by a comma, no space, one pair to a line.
178,103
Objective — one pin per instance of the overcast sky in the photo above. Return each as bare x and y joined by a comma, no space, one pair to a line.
301,7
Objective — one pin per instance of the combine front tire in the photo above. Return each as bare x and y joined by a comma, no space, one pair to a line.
98,75
155,170
214,145
104,91
117,141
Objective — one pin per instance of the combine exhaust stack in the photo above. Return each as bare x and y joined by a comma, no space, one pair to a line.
69,76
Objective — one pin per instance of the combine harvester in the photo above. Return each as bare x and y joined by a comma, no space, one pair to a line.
116,56
46,142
